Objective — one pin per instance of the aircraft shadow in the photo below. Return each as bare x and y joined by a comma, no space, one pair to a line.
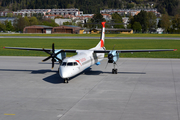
56,79
32,71
126,72
91,72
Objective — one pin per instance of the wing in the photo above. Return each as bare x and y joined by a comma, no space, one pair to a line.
95,51
131,51
39,49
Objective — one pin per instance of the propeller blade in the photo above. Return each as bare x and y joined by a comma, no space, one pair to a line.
58,59
53,48
46,58
53,63
53,55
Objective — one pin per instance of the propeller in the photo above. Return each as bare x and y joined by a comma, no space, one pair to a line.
53,55
110,58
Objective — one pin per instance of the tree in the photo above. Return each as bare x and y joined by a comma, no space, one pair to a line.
8,25
137,27
33,21
167,5
2,27
20,23
97,19
165,22
130,5
116,18
151,21
159,24
176,22
67,23
49,22
142,18
27,23
9,15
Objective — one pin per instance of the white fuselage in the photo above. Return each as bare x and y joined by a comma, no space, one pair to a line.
74,65
83,60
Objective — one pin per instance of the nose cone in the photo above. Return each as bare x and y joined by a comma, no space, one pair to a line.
65,72
62,72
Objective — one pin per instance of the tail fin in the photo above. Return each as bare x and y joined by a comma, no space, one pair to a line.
101,43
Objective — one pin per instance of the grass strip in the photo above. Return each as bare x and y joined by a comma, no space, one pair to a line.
121,44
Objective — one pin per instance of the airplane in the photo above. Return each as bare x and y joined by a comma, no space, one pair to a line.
71,66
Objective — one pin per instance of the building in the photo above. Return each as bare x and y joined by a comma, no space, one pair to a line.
83,17
38,29
66,29
70,29
107,17
50,13
30,12
63,12
5,13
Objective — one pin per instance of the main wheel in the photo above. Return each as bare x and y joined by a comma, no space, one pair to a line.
112,71
115,71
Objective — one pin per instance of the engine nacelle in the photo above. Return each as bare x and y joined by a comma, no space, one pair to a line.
113,56
61,55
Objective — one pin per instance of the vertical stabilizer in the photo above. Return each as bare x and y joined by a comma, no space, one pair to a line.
101,43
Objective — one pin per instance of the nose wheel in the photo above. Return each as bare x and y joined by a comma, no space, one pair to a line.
66,80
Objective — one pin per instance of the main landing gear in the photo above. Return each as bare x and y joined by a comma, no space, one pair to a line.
66,80
114,70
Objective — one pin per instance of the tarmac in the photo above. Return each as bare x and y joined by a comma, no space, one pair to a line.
143,89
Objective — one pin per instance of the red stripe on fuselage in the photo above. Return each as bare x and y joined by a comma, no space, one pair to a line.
78,62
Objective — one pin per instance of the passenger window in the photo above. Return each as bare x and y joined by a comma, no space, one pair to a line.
64,64
70,64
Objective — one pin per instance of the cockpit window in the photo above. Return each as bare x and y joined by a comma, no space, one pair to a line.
75,63
64,64
69,64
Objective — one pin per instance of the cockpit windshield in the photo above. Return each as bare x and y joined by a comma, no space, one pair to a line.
69,64
63,64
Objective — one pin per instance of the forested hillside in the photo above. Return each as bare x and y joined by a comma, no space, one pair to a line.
171,7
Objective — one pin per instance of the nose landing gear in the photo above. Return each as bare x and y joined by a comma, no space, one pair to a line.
66,80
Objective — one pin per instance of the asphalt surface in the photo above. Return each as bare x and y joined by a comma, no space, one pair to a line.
145,38
143,89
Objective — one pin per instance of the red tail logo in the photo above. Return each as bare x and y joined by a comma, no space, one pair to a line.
102,43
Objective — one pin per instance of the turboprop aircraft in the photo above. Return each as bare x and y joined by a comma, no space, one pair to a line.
84,59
